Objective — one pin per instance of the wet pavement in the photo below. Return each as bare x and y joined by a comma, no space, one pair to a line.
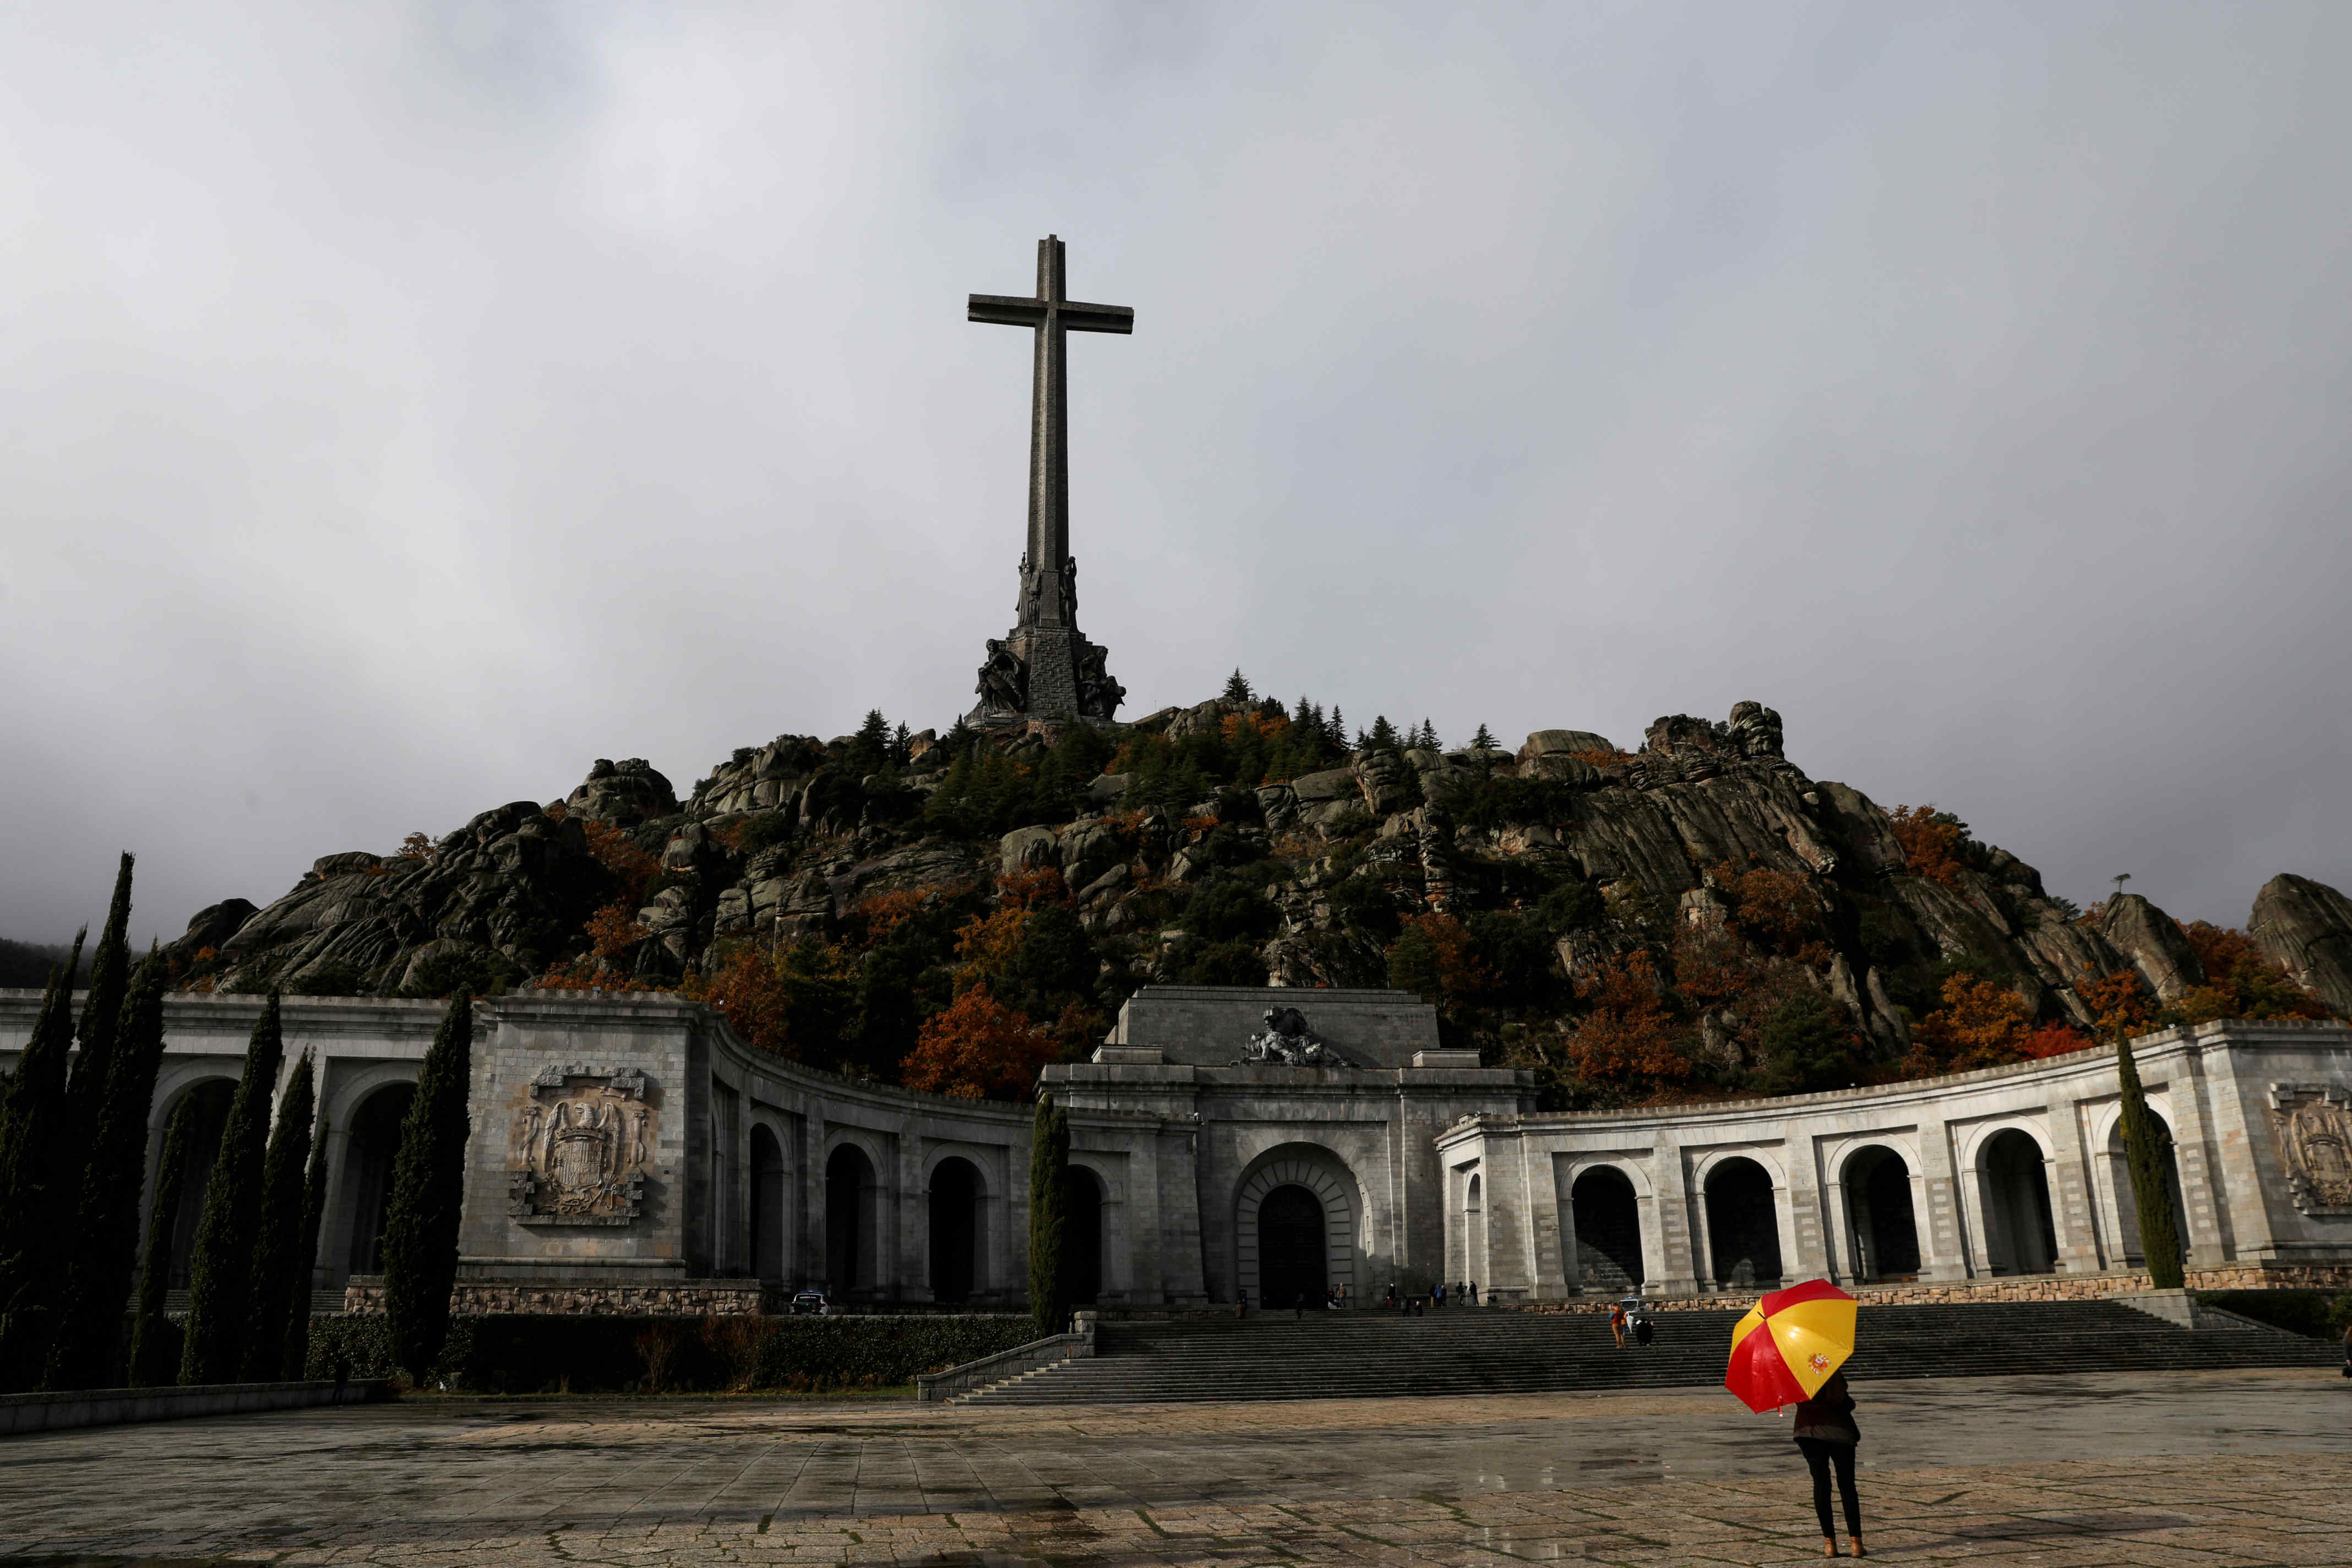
2209,1467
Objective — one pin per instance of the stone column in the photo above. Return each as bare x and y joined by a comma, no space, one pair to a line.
2192,1138
2070,1199
1804,1248
1544,1239
1938,1204
1843,1260
1679,1268
333,1266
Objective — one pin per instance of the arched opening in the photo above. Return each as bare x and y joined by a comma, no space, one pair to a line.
767,1204
1292,1263
955,1230
208,1105
1743,1225
1878,1208
2134,1255
374,1144
1608,1231
848,1246
1083,1256
2023,1238
1473,1229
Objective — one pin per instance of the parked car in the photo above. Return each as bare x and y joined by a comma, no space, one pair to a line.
812,1301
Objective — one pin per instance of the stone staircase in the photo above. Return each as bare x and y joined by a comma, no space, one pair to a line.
1342,1355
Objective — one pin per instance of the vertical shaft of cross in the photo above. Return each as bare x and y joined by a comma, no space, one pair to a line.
1049,430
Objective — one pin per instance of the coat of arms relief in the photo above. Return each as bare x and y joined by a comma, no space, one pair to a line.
2313,1126
582,1146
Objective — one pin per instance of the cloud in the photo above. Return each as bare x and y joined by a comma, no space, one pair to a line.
406,407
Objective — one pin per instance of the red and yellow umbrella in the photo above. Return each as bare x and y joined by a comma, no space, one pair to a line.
1789,1343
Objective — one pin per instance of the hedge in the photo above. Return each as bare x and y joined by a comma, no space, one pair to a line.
2322,1314
526,1354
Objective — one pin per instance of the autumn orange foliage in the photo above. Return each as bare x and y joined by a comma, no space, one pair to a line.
416,847
1628,1036
1027,889
748,988
613,929
1462,980
618,852
1777,908
2116,1001
1981,1024
1931,846
2239,983
978,1048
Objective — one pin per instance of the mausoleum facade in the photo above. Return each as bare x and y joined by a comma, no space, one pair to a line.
630,1152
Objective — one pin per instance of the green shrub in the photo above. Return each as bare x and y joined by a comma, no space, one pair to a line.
2322,1314
537,1354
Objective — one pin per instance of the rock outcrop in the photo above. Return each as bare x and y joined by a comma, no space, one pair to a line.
2306,928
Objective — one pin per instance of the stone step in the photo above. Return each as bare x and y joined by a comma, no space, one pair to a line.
1340,1355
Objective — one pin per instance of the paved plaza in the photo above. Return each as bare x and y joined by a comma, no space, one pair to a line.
2208,1469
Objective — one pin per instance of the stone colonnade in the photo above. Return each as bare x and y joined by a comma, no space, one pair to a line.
2007,1172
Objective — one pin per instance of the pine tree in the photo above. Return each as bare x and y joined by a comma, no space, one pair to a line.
105,1241
1237,688
221,1272
428,1176
1484,740
2145,1147
314,1209
1384,737
281,1274
1335,734
153,1360
34,1119
902,745
1049,1184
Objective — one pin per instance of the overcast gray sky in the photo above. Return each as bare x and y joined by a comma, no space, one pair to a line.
403,407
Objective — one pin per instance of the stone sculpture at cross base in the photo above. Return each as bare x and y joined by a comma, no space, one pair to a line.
1044,667
1288,1040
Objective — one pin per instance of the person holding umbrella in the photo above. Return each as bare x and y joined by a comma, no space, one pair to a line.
1787,1350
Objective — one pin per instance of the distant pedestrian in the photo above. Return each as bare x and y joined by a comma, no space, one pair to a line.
343,1372
1474,1292
1416,1306
1241,1303
1437,1295
1617,1323
1826,1435
1298,1308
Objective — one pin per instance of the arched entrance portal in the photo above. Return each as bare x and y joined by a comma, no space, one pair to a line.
1743,1227
767,1204
848,1236
1084,1223
1878,1209
374,1143
2021,1238
1292,1260
955,1230
1608,1231
2128,1204
1276,1254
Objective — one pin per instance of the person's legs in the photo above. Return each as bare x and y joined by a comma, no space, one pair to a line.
1817,1460
1841,1455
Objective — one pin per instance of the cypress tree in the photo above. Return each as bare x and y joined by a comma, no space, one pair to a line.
30,1125
152,1358
221,1272
110,976
2146,1146
281,1276
105,1242
314,1207
428,1181
1049,1188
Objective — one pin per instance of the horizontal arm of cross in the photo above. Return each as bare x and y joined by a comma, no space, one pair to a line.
1015,310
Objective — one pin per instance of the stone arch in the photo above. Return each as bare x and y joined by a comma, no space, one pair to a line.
1605,1210
1741,1195
2124,1202
2012,1173
1473,1229
852,1199
952,1193
371,1140
767,1250
1084,1228
1330,1183
1880,1216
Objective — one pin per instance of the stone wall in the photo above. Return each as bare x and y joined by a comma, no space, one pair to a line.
686,1299
2038,1287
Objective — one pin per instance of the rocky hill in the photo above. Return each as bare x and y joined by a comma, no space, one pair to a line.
1695,915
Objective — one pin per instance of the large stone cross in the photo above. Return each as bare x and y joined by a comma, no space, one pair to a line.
1047,597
